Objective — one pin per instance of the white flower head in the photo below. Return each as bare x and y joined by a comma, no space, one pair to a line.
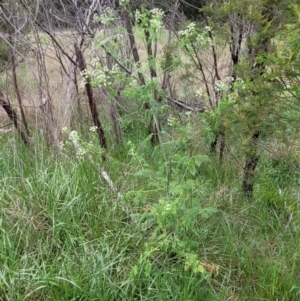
157,12
199,92
188,31
124,3
221,86
80,152
137,16
93,129
73,136
171,120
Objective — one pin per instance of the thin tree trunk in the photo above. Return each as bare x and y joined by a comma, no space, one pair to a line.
262,47
113,112
115,120
14,118
133,47
46,108
42,79
17,90
10,29
222,145
89,90
150,55
152,128
252,158
213,144
66,122
235,50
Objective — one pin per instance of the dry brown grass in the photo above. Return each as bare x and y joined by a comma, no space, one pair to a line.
54,80
57,79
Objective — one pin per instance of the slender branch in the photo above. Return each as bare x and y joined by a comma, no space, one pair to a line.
92,103
53,39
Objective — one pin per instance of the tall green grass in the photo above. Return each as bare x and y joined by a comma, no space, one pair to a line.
66,236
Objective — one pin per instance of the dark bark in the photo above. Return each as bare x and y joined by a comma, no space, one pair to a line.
251,162
220,137
235,50
16,86
112,106
198,63
14,118
237,31
133,47
222,145
116,122
10,30
150,54
153,128
89,90
213,145
261,48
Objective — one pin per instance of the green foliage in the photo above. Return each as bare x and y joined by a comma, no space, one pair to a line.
193,38
174,226
170,59
65,234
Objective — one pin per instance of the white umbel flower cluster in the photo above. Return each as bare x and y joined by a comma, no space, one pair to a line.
171,121
74,137
188,31
156,21
191,33
224,85
93,129
152,18
101,77
124,3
